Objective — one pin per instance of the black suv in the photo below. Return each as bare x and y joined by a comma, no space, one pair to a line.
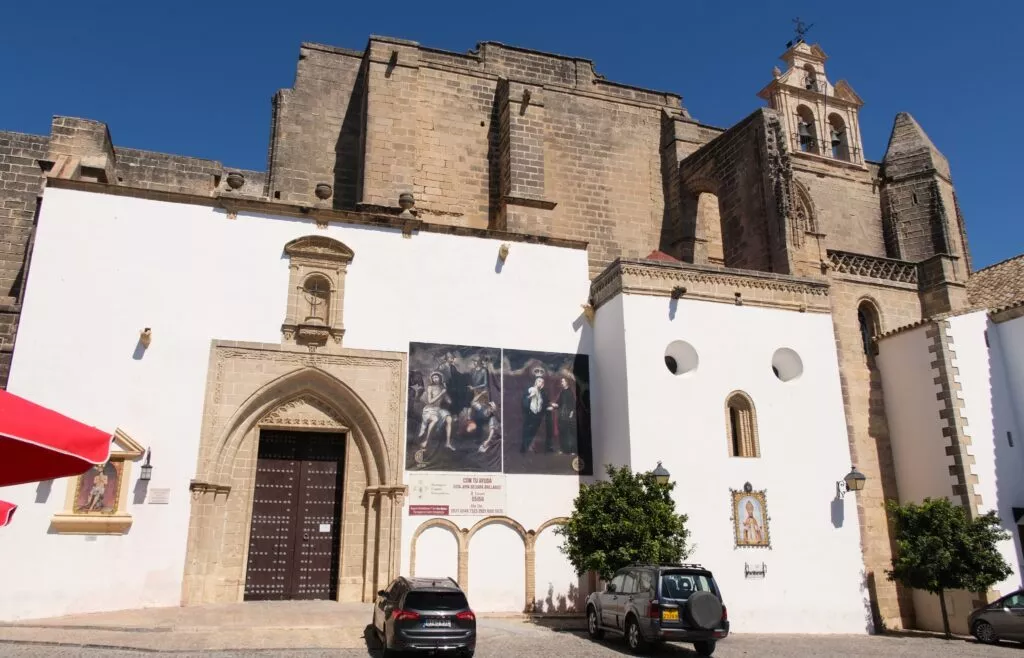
654,603
424,614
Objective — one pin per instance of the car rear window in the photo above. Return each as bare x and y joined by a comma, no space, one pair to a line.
420,600
680,584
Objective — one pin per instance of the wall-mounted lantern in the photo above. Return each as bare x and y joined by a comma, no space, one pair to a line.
854,481
661,474
146,472
146,337
503,251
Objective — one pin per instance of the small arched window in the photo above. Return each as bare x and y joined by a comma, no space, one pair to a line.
839,140
316,291
807,132
867,319
742,426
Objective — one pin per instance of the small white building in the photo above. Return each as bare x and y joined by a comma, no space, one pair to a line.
954,388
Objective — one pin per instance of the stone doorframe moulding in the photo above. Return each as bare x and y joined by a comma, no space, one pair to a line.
464,535
252,386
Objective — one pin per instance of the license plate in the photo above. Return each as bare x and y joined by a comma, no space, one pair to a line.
437,623
670,615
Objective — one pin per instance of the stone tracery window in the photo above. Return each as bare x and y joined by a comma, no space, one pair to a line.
741,422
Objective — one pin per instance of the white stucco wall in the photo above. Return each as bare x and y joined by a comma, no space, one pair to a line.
912,411
989,413
104,267
815,574
918,445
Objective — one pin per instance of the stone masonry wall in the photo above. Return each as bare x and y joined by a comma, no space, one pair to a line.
430,124
870,445
20,180
745,168
317,128
846,206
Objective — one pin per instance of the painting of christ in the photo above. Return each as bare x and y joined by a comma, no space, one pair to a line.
547,413
98,489
454,419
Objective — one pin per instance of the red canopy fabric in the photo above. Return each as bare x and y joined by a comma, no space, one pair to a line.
38,444
6,512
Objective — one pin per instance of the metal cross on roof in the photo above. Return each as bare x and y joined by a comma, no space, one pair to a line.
801,28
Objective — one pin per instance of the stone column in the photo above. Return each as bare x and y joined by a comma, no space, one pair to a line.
531,571
370,502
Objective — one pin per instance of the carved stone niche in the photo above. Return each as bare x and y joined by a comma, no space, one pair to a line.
316,291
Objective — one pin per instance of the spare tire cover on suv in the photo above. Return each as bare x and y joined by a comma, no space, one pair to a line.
704,610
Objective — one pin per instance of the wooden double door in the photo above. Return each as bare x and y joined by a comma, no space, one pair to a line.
294,537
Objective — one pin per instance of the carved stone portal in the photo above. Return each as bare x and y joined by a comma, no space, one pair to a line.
252,386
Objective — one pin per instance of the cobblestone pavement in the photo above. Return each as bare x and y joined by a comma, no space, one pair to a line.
501,638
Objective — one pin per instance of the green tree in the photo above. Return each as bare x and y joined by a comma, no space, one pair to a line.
625,519
939,547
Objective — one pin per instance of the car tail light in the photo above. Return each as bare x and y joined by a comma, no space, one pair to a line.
404,615
466,615
654,610
725,613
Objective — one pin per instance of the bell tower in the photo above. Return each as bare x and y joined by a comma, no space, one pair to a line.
820,118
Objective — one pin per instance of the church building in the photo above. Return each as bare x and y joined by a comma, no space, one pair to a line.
463,285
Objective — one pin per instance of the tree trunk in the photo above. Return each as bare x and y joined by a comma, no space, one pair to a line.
945,615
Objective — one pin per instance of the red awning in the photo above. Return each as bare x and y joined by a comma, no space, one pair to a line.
38,444
6,512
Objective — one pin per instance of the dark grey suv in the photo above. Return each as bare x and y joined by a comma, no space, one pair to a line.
424,614
653,603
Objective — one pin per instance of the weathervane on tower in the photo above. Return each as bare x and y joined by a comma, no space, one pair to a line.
801,29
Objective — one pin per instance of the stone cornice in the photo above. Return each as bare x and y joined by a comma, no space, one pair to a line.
317,216
723,285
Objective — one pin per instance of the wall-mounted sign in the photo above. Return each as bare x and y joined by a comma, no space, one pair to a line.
456,494
159,496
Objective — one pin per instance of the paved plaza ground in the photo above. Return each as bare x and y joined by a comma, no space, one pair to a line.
309,629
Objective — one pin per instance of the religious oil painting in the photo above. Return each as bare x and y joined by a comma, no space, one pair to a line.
99,489
454,421
546,413
750,518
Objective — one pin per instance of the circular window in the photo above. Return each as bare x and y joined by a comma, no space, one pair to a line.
681,358
786,364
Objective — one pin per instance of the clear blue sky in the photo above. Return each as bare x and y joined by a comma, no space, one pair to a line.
196,78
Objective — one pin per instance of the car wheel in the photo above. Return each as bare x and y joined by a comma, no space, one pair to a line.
985,633
634,638
593,626
705,648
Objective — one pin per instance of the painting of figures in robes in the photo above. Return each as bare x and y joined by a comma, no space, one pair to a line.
454,421
546,418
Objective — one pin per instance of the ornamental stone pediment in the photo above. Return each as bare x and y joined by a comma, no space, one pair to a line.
305,411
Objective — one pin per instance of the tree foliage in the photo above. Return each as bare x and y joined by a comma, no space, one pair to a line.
625,519
939,547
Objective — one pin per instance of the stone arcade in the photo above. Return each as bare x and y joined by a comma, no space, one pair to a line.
464,283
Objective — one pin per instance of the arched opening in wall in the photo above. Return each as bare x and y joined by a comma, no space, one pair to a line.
839,138
709,218
436,553
806,130
502,589
556,586
316,295
810,77
741,420
870,328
